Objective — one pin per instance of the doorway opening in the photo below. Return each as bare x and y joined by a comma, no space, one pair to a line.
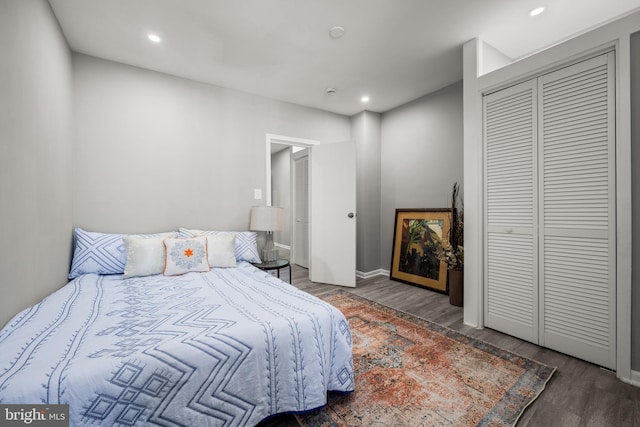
287,186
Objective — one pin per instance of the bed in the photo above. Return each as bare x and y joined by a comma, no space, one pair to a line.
228,347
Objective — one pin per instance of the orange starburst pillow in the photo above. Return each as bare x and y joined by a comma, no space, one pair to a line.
185,255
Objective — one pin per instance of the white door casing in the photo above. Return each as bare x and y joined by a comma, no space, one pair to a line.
333,209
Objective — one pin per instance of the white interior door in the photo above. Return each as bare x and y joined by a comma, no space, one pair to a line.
577,210
300,247
333,222
511,247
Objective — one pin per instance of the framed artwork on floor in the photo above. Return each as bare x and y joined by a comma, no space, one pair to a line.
417,235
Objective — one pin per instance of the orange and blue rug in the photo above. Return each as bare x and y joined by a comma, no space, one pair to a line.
412,372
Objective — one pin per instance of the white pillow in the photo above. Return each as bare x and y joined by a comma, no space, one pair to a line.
220,250
145,256
185,255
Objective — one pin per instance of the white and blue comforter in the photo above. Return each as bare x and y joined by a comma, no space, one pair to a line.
229,347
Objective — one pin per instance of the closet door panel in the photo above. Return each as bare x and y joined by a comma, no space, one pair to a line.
577,210
511,202
576,298
511,292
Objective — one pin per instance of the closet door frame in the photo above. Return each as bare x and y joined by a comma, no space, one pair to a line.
615,36
612,214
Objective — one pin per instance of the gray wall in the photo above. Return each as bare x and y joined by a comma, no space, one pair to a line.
635,196
156,152
421,157
366,127
281,192
35,155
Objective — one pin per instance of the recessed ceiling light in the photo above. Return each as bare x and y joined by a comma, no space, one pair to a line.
154,38
336,32
537,11
364,99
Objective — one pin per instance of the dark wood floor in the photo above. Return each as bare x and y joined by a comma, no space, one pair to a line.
578,394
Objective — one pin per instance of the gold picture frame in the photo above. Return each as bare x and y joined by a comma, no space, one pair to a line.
417,235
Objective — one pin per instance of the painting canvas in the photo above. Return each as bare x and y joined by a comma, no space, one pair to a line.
417,236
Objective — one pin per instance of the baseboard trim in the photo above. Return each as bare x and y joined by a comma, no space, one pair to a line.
373,273
280,245
635,378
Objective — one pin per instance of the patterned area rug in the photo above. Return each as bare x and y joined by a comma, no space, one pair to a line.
412,372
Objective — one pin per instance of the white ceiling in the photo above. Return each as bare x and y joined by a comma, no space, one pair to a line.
392,50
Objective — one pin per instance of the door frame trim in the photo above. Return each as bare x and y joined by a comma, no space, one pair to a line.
284,140
292,142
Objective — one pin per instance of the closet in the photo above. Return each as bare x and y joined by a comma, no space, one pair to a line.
549,157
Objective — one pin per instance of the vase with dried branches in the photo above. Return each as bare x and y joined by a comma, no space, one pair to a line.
451,251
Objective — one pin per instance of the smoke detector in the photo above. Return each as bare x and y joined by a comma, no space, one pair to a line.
336,32
331,91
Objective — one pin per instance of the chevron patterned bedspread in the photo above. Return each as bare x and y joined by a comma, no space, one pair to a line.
225,348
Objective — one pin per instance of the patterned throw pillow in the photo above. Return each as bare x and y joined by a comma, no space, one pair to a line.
246,246
101,253
98,253
185,255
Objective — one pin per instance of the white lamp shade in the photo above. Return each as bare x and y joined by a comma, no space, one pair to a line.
267,218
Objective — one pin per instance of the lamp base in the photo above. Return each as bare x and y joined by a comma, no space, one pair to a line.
269,255
269,252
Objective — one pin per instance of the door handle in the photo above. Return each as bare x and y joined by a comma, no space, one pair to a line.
351,214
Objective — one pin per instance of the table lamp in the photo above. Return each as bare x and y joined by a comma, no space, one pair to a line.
269,219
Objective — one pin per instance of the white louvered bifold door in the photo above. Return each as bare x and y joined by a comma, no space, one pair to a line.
511,247
577,210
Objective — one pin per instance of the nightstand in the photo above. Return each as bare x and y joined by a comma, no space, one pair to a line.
275,265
